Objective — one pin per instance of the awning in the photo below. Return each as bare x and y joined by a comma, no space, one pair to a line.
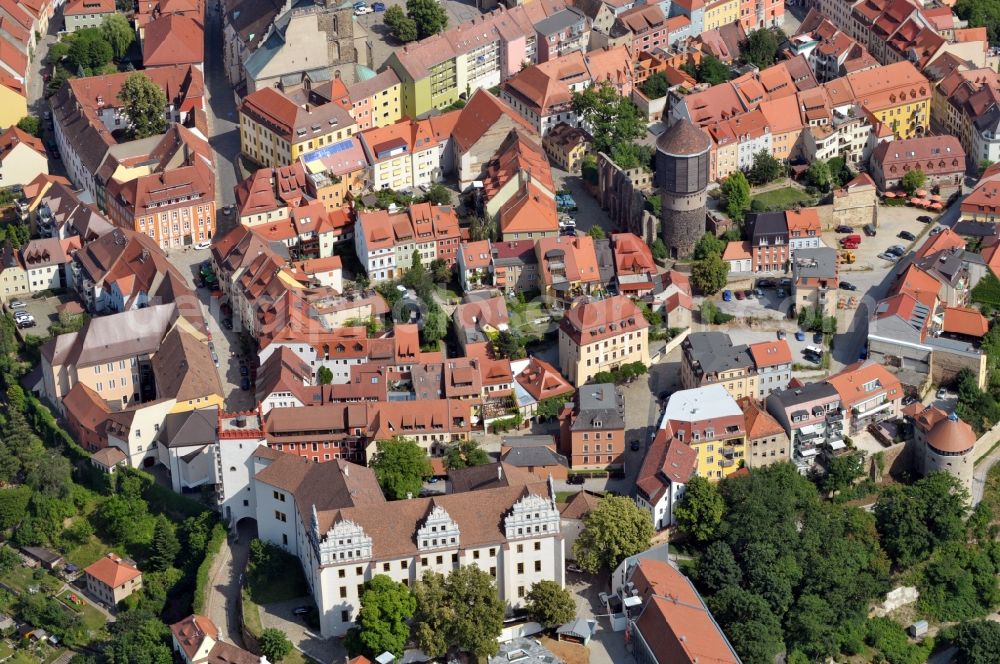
935,198
915,201
889,194
920,193
837,445
936,206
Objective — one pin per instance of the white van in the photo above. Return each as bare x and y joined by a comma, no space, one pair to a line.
814,350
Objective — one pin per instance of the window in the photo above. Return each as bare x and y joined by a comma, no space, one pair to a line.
280,516
385,567
538,546
520,568
475,555
520,548
343,592
341,573
520,591
538,565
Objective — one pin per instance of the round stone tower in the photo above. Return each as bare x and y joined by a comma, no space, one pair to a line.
682,161
948,448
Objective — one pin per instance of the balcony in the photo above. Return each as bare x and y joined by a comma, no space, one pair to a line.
726,463
728,451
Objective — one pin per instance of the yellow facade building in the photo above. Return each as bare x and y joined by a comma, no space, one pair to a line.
720,13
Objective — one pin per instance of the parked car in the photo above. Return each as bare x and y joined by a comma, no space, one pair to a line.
302,610
361,11
576,479
215,358
740,295
844,229
759,293
937,230
765,283
727,296
16,304
942,393
847,285
748,293
907,235
870,230
245,383
909,399
886,256
573,567
379,6
636,445
818,338
244,371
896,250
227,323
202,245
782,292
800,335
924,219
781,334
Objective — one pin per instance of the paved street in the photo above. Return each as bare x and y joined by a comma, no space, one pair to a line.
223,120
279,615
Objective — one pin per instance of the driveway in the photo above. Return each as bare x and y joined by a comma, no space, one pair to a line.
607,646
590,212
279,615
222,599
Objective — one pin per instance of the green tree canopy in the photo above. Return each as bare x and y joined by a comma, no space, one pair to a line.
324,376
549,604
165,546
765,168
429,15
402,26
710,70
29,124
700,511
400,467
596,232
708,245
761,48
466,453
978,642
459,612
118,33
88,50
710,275
717,568
736,190
613,531
751,626
655,86
979,14
274,644
842,471
145,106
382,622
913,180
818,175
613,119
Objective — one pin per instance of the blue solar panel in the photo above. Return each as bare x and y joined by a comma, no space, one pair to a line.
329,150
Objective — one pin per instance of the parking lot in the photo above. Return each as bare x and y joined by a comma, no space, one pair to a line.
42,309
382,44
891,221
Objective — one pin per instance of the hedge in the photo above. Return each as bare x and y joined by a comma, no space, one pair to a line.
201,578
52,434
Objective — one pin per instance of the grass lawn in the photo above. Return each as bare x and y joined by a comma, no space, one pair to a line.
6,650
782,199
19,579
276,578
251,615
564,496
86,554
92,618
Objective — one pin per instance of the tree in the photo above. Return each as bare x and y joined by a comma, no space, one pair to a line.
710,275
752,628
274,644
596,232
655,86
760,48
324,376
708,245
440,271
433,616
435,326
984,164
510,345
613,531
461,611
717,568
765,168
383,620
429,15
145,106
613,119
913,180
712,70
29,124
818,175
88,51
736,189
138,638
118,33
632,155
402,27
659,249
464,454
437,194
842,471
700,511
981,13
164,548
550,605
978,642
400,467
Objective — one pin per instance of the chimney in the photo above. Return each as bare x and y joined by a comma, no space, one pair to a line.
347,470
409,495
499,472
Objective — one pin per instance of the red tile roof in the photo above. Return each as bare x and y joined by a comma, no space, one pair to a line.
541,380
112,571
595,321
771,353
481,113
962,320
173,40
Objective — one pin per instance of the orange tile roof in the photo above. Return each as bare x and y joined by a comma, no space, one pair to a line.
759,423
771,353
173,40
737,250
850,383
482,112
541,380
530,210
948,239
112,571
782,114
962,320
803,220
577,255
